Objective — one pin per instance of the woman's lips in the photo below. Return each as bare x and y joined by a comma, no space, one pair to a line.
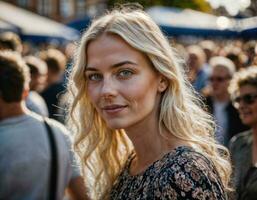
113,109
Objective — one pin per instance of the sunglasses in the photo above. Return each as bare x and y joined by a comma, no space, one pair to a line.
218,78
247,99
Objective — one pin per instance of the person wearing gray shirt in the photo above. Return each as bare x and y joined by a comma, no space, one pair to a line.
25,153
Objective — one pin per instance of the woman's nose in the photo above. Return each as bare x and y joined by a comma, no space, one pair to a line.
109,88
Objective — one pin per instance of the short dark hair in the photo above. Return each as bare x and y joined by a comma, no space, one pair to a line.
14,74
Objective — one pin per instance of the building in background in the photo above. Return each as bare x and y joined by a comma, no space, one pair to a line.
62,10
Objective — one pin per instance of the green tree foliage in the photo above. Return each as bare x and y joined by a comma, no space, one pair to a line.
200,5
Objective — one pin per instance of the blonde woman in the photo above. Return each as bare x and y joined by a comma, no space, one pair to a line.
141,133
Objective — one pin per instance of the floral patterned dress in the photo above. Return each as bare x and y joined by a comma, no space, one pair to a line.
181,174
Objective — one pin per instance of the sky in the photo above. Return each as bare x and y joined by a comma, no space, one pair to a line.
232,6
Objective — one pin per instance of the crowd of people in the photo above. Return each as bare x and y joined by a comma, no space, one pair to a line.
130,115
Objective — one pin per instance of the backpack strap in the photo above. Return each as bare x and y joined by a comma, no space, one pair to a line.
53,179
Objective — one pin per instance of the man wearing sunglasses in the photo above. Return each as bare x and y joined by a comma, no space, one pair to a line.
219,103
243,147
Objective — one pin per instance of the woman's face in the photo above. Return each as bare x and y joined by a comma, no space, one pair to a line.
122,85
248,108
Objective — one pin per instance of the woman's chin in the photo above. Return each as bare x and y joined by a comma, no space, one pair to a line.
115,125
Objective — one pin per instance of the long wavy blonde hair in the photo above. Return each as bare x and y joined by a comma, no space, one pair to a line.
104,151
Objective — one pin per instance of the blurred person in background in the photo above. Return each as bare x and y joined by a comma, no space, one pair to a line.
249,50
52,94
209,48
10,41
38,74
254,61
197,75
243,146
25,153
219,103
238,57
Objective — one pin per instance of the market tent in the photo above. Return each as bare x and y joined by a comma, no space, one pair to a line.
35,27
248,27
7,27
176,22
80,24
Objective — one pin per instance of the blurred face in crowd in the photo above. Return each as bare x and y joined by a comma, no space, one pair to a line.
208,53
219,81
51,77
121,83
246,102
194,65
38,82
194,61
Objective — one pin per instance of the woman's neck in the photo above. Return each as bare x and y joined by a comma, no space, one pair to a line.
149,146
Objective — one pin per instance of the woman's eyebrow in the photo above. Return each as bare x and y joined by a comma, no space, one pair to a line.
119,64
123,63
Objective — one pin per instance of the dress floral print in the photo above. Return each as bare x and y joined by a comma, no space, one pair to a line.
181,174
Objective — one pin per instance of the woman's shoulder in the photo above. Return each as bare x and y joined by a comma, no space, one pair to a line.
189,174
186,158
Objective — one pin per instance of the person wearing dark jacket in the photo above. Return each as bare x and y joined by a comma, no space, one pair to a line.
219,103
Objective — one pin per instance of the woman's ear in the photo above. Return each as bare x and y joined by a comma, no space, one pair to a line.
163,84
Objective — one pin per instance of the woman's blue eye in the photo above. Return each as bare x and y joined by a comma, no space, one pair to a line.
125,73
94,77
